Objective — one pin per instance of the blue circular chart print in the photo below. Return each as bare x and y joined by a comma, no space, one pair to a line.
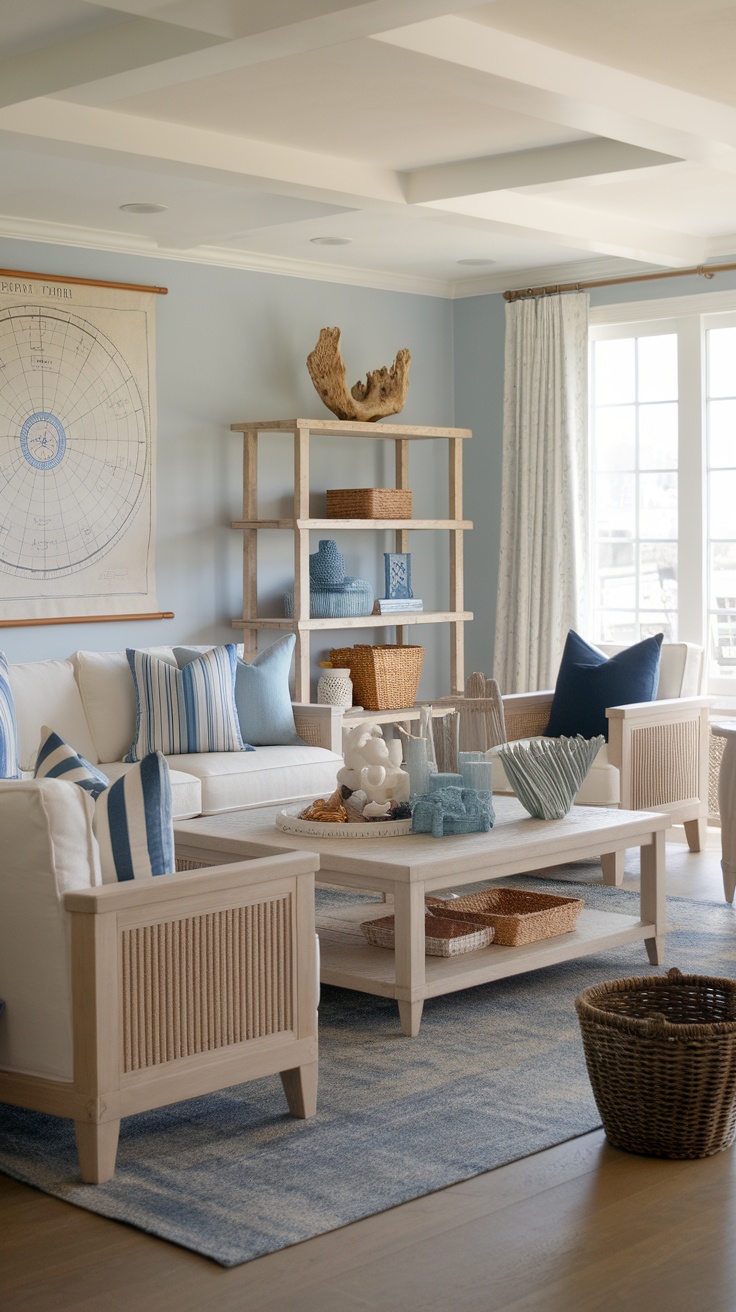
73,443
43,441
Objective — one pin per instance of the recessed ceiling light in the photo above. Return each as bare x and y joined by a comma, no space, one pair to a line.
143,207
477,261
330,241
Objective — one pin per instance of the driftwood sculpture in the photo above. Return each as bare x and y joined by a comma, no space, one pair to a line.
383,392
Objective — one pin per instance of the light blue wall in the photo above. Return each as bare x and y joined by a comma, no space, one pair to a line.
478,350
232,346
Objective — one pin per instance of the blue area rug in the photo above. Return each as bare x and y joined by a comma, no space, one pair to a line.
496,1073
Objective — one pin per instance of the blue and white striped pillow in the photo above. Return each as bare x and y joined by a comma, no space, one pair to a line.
8,726
57,760
189,710
133,823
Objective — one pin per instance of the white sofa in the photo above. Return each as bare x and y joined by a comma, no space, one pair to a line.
89,700
124,997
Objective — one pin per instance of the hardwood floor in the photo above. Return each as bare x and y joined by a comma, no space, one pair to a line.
579,1228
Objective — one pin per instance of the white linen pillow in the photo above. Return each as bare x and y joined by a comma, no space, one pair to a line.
46,692
108,696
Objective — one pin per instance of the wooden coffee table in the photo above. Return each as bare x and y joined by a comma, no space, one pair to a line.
411,866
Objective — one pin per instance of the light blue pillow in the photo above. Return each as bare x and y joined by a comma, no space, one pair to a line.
133,823
187,710
8,726
57,760
262,694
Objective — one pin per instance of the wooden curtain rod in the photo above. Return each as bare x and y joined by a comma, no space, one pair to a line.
87,619
703,270
83,282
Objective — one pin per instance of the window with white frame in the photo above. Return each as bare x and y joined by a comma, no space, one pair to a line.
663,476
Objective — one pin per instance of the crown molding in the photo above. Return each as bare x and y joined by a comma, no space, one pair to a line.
545,275
63,234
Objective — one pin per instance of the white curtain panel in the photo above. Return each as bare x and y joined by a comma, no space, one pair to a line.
542,567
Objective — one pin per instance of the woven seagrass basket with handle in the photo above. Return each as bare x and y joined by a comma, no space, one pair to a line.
661,1056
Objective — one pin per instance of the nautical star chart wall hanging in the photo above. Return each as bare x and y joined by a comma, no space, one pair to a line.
77,449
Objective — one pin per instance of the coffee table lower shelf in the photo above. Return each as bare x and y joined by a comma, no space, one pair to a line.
349,962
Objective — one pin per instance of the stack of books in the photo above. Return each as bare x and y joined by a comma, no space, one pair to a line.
389,605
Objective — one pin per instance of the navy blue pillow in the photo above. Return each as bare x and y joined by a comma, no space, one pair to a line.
588,682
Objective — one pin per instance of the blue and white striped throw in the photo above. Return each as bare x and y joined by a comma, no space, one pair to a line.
57,760
133,823
189,710
8,726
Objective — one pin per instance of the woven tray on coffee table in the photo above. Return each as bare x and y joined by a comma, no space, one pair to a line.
516,916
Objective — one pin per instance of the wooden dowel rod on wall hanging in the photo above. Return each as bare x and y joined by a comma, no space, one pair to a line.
87,619
83,282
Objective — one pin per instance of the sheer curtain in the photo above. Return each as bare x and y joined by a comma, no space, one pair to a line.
542,567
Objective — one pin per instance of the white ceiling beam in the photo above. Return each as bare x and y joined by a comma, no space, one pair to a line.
237,18
553,85
320,23
534,216
93,55
528,168
151,144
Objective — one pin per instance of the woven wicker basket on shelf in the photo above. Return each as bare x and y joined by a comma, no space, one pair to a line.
369,503
661,1056
442,938
385,678
516,916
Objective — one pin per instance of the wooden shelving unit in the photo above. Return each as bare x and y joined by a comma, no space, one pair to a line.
301,526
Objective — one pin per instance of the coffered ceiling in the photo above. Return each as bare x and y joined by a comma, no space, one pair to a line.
393,143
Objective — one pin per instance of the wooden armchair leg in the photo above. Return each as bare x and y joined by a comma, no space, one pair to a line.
300,1087
612,864
695,832
97,1149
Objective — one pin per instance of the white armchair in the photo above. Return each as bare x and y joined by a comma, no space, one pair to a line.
656,758
131,996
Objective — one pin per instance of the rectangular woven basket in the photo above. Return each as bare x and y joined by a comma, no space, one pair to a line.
442,938
517,917
369,503
385,678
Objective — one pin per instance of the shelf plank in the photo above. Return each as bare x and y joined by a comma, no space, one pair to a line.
399,525
358,621
347,428
349,962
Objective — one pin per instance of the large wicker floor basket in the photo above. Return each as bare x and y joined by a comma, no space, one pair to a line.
385,678
661,1055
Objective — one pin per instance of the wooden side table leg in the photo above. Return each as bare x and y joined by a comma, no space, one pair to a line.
653,903
409,955
612,864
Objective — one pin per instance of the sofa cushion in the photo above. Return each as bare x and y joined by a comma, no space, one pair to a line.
186,790
108,696
588,682
47,850
600,787
233,781
262,695
46,692
9,767
183,711
57,760
133,823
